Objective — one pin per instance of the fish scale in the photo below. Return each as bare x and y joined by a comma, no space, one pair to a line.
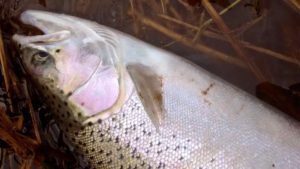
126,139
178,116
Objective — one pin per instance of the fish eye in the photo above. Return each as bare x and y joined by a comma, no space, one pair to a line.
40,56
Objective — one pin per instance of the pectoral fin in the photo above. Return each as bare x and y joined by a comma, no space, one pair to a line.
149,87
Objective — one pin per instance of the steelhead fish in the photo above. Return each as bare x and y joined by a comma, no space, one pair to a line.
125,104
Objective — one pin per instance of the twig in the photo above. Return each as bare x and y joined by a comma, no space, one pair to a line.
244,43
200,31
249,24
209,21
4,70
33,114
136,30
162,6
202,48
17,146
235,43
295,4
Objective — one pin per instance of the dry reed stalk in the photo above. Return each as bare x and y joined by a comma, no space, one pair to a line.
5,71
209,21
295,4
33,115
177,37
248,45
235,44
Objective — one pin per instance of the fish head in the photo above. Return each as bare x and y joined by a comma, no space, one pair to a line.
74,56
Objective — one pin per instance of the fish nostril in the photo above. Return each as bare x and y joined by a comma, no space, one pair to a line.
57,50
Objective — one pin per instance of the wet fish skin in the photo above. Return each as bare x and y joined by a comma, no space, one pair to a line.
208,123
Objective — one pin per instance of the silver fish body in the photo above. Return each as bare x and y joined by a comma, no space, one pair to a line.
205,122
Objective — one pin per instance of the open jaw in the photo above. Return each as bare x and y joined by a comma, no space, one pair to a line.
54,28
59,27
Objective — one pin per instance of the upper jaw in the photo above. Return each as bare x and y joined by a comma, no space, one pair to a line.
53,27
45,21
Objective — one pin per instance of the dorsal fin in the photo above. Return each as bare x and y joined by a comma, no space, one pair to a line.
149,87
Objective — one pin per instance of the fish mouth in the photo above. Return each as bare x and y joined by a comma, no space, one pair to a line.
45,21
52,27
59,27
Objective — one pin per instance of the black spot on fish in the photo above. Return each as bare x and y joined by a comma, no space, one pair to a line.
108,153
134,151
117,139
101,151
79,114
92,157
109,139
57,50
121,167
99,121
109,161
90,124
181,158
93,150
121,156
161,165
100,162
69,94
119,148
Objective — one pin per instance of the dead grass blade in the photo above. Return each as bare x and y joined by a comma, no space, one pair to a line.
245,44
235,44
177,37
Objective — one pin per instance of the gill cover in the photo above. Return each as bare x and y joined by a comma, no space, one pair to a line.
62,30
